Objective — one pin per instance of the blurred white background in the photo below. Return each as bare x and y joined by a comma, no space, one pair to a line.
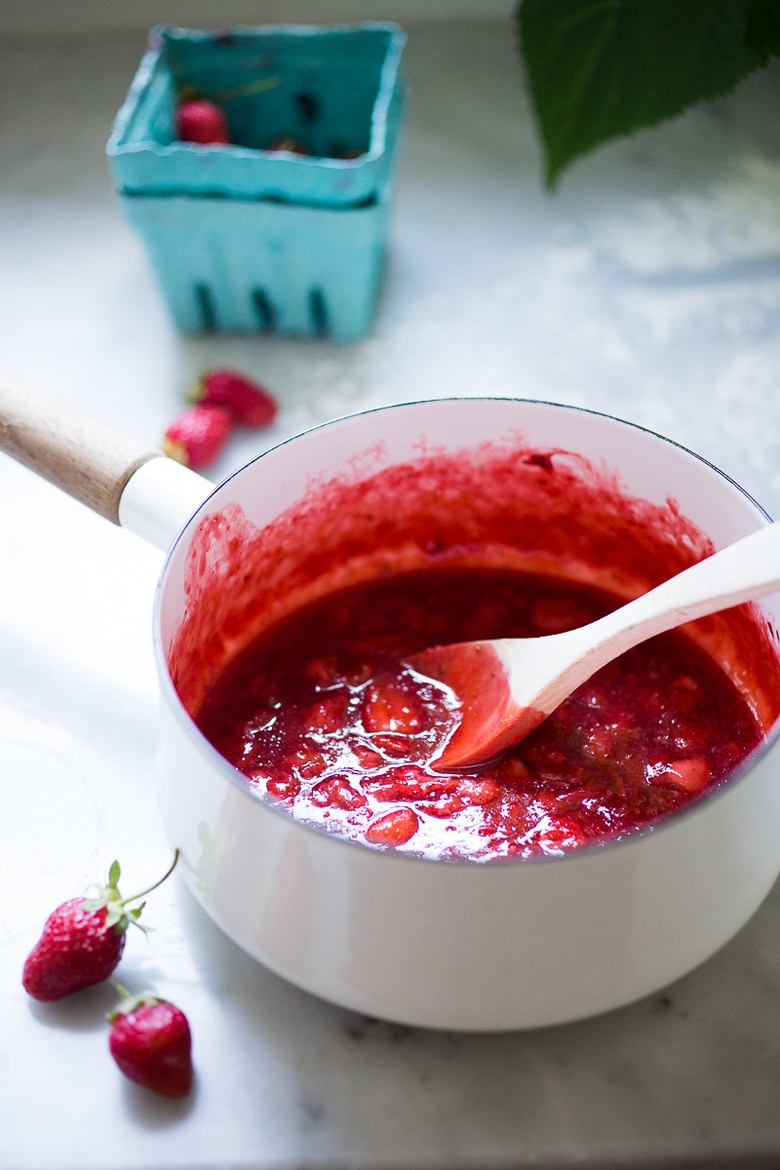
73,17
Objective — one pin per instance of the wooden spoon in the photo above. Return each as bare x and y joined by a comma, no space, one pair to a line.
508,686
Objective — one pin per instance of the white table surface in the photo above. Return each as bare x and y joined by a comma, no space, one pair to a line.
649,286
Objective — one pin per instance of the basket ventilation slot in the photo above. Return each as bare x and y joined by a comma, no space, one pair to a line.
264,310
265,313
206,307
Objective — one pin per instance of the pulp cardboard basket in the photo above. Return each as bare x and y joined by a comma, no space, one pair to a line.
250,237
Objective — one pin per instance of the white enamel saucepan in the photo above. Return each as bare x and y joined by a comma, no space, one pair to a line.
449,944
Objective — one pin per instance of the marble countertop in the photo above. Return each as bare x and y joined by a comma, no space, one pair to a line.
649,287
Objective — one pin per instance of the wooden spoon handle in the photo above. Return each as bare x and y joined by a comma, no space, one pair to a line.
88,461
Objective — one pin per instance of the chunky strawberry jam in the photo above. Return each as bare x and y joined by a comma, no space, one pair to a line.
322,715
297,621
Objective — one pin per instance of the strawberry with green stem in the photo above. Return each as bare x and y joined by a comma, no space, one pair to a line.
84,939
151,1043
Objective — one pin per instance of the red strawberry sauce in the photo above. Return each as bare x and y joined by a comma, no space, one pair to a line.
291,654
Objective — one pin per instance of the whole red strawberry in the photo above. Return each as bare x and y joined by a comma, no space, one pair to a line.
151,1042
202,121
82,941
251,403
198,435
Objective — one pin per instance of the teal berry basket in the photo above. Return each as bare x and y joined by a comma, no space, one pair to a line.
249,237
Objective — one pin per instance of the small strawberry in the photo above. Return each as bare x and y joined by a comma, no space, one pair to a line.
203,122
252,405
151,1042
83,940
198,435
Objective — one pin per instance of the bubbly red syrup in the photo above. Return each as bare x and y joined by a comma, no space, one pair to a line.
322,715
289,652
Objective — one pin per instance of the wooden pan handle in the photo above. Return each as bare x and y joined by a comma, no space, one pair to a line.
88,461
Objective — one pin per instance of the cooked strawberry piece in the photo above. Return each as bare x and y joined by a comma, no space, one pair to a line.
394,745
389,706
358,673
599,743
337,792
307,761
515,771
283,787
367,757
410,783
557,834
509,818
478,790
443,807
327,715
395,828
692,774
323,672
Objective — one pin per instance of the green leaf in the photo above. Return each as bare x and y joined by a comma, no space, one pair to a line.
762,30
601,69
